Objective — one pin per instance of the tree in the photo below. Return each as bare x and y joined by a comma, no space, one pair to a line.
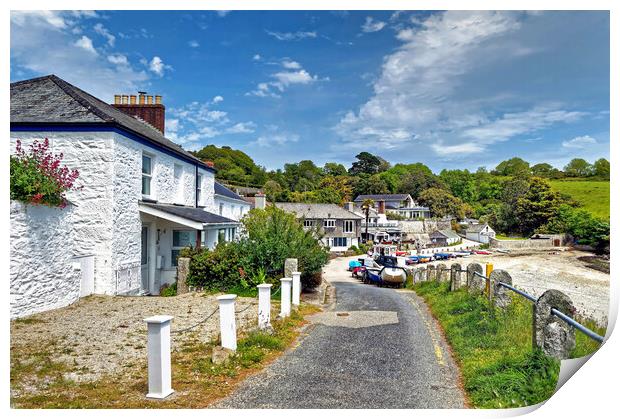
513,189
334,169
582,225
578,168
602,168
417,179
515,166
233,165
366,206
537,206
547,171
272,190
442,203
461,184
366,163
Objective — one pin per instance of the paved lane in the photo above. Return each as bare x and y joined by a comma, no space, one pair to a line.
376,348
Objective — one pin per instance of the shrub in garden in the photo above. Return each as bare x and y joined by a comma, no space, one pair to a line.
218,269
38,178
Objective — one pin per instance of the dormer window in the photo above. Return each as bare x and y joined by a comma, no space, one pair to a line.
147,174
329,223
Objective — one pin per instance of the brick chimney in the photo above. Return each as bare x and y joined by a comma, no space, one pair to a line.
142,106
381,207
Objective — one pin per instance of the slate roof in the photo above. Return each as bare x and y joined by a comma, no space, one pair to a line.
384,197
318,211
50,100
450,234
195,214
476,228
224,191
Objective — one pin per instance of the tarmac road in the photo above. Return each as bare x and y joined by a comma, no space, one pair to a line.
375,348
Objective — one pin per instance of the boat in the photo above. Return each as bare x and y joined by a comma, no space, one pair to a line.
442,256
425,258
502,250
462,254
386,276
402,253
354,264
482,252
411,260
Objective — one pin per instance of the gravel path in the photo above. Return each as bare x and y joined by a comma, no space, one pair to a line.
375,348
105,334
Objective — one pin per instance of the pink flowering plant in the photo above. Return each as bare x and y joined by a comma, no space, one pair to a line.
37,176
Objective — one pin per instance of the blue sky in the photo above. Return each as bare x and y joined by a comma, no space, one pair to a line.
450,89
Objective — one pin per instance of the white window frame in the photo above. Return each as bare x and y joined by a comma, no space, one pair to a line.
347,223
221,208
329,223
147,175
174,248
309,223
198,188
339,244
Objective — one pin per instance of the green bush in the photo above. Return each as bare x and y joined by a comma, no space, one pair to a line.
168,290
218,269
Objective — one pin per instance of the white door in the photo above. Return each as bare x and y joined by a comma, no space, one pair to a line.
87,266
144,258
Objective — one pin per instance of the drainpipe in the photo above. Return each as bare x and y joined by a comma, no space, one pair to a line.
196,186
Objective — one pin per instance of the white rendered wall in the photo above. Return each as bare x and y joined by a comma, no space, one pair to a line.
43,275
232,208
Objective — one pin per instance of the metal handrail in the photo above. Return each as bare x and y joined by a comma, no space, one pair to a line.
554,311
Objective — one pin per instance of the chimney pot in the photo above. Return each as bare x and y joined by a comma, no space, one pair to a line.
125,99
149,100
141,98
209,163
117,99
158,99
132,99
260,201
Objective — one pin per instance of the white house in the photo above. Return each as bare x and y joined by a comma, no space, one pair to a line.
480,233
229,204
143,198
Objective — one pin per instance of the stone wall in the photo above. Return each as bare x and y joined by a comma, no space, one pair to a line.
523,244
43,272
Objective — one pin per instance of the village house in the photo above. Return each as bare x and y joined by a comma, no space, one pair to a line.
229,204
444,237
341,228
480,233
400,204
378,228
143,198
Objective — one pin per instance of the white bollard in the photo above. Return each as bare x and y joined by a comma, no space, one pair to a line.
285,306
228,327
160,375
296,287
264,306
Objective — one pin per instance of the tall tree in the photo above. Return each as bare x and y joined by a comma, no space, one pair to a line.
334,169
578,168
366,163
602,168
515,166
537,206
442,203
366,207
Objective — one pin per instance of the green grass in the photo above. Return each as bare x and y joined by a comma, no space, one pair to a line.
500,368
593,195
502,237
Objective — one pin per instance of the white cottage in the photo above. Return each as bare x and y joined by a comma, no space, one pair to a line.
229,204
143,199
480,233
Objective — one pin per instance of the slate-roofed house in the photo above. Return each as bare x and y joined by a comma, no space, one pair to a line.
401,204
229,204
342,228
143,198
480,233
444,237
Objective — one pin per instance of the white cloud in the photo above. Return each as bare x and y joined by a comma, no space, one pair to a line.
217,99
193,43
44,43
418,96
86,44
579,142
101,30
242,128
371,25
157,66
118,59
275,139
257,57
292,36
292,73
223,13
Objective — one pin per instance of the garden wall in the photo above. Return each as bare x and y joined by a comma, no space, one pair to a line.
43,273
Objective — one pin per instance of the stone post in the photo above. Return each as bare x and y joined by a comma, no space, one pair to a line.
441,272
551,334
455,276
475,283
285,305
290,266
182,272
296,288
158,346
228,327
431,273
264,306
501,295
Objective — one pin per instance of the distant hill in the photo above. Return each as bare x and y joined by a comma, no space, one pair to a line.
233,166
592,194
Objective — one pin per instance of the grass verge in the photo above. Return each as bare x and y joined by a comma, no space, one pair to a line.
39,382
494,349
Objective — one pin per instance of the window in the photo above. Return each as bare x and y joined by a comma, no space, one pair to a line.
221,209
339,242
198,188
329,223
221,235
147,174
308,223
181,239
348,226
